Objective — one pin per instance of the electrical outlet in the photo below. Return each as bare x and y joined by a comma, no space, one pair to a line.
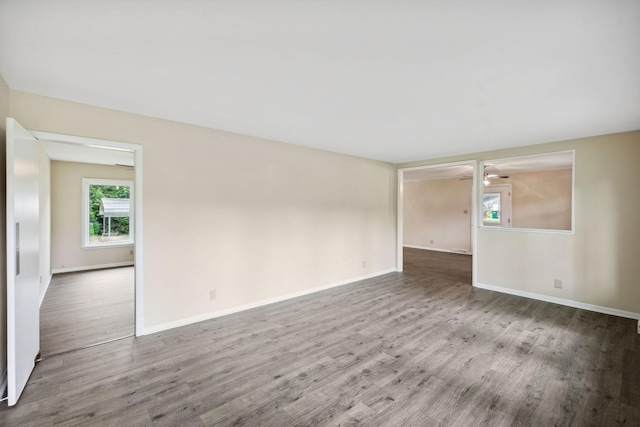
557,283
431,241
212,294
131,252
364,264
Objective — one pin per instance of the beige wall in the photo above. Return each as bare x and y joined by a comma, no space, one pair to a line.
66,217
4,113
540,200
598,262
253,219
438,211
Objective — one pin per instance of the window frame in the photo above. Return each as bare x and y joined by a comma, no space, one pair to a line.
86,183
483,226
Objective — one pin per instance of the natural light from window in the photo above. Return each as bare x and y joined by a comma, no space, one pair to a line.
108,212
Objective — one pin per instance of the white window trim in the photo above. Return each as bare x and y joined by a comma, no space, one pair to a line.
484,226
86,182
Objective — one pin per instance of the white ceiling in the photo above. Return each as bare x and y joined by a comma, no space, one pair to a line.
394,80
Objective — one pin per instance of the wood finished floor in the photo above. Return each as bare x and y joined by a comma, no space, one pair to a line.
418,348
85,308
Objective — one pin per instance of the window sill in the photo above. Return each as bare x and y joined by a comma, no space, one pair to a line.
525,230
109,245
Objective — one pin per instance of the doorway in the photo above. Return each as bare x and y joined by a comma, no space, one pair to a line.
90,299
28,245
496,205
81,150
437,211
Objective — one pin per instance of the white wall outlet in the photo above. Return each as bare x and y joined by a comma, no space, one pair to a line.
431,241
557,283
212,294
364,264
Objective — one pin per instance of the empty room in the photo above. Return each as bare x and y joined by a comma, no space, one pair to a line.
304,213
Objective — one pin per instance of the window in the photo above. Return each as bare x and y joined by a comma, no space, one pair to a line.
107,212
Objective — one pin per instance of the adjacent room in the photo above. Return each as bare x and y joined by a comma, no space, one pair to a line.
293,213
90,299
437,212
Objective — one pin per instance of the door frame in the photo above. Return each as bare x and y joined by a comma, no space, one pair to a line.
138,254
474,212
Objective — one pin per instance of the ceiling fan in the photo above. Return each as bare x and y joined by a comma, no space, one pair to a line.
495,176
488,176
127,167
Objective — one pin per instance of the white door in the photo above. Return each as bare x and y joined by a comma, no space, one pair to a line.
23,245
496,205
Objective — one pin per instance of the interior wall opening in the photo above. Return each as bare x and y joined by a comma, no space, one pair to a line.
92,296
436,218
539,195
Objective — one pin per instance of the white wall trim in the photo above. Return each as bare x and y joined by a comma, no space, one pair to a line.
138,254
451,251
399,222
561,301
536,230
232,310
136,149
92,267
526,230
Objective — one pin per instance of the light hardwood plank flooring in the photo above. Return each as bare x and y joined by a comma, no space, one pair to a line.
85,308
418,348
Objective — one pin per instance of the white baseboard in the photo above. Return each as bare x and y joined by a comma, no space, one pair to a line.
3,383
451,251
92,267
561,301
213,315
